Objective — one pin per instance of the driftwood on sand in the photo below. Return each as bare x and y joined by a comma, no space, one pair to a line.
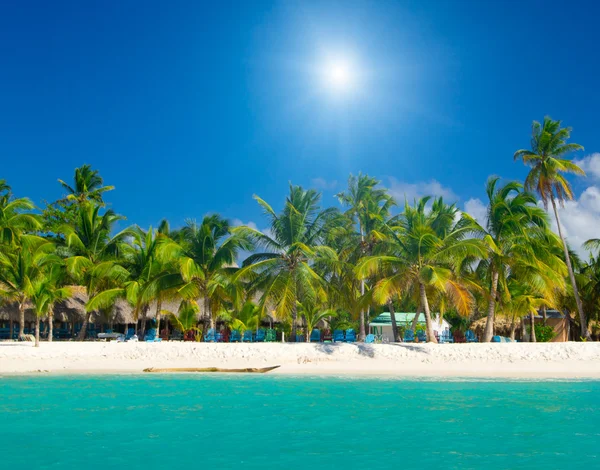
260,370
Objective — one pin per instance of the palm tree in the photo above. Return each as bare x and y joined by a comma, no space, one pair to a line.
313,315
15,216
47,290
368,206
429,247
21,269
284,273
207,260
247,318
88,186
511,216
93,258
546,159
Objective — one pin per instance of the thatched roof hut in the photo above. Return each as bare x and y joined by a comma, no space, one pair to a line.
502,325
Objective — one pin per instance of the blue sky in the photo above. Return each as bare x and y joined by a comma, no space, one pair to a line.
191,107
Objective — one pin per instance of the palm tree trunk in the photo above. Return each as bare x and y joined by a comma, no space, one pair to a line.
144,317
488,332
544,315
50,325
584,330
22,320
415,321
83,331
394,325
11,327
37,331
294,316
158,309
533,338
429,324
513,328
361,326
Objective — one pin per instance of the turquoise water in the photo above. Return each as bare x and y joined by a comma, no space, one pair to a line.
275,422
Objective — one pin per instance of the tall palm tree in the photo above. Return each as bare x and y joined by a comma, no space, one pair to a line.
207,261
429,247
368,205
88,186
93,257
284,273
546,158
21,268
512,215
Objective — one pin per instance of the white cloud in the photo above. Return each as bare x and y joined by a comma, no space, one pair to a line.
402,190
591,165
580,219
323,184
238,222
477,209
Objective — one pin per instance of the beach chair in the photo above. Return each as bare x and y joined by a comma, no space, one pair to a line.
315,336
247,338
261,335
409,336
350,336
190,335
422,336
300,339
327,336
446,337
370,338
151,336
470,336
235,336
130,334
210,336
271,336
338,336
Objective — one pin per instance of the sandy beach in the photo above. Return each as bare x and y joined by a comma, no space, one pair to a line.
517,360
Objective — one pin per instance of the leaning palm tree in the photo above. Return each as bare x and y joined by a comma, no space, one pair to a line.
313,315
93,258
512,215
546,158
429,247
21,268
15,216
367,206
88,186
284,274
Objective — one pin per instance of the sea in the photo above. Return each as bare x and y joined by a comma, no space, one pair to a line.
275,421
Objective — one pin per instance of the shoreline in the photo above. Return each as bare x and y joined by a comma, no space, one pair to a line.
535,361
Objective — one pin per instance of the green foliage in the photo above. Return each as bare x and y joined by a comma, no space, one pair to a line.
543,334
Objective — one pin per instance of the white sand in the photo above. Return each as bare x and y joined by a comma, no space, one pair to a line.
516,360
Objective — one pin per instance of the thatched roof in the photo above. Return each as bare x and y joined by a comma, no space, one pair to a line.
502,325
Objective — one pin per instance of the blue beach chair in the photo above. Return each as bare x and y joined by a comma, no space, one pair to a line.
271,336
315,336
350,336
151,336
409,336
300,339
210,336
247,336
130,333
235,336
338,336
261,335
370,338
422,336
470,337
446,337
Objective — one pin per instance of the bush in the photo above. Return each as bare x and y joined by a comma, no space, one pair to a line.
543,334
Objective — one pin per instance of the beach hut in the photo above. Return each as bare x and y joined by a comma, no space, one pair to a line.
381,326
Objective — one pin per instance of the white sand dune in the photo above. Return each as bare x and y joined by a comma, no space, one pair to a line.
518,360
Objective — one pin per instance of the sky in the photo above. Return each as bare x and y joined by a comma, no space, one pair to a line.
189,108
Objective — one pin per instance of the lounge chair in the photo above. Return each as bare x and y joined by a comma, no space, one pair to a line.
338,336
422,336
409,336
315,336
130,334
446,337
300,339
502,339
350,336
261,335
189,335
271,336
176,335
151,336
247,336
471,338
235,336
327,336
370,338
210,336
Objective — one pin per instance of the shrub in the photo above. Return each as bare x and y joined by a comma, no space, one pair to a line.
543,334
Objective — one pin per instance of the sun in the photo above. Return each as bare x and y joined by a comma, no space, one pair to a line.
339,75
